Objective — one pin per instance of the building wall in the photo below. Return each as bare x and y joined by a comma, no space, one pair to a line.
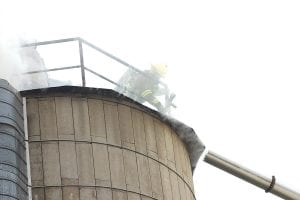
13,170
95,149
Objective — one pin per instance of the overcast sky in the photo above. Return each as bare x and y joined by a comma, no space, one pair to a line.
233,64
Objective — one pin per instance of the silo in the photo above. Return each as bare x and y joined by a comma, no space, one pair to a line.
95,144
13,170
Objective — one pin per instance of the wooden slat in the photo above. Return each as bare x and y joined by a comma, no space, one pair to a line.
68,163
160,141
101,164
104,194
131,171
36,164
150,136
53,194
97,120
38,194
70,193
81,119
182,189
33,119
189,195
189,175
117,168
133,196
51,164
119,195
87,193
144,175
47,119
126,128
64,114
174,186
181,148
85,164
112,124
165,177
155,179
169,147
139,131
176,143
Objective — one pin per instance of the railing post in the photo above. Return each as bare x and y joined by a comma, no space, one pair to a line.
81,63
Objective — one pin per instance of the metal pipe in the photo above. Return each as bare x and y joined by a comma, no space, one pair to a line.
101,76
53,69
50,42
262,182
118,59
82,63
109,55
27,149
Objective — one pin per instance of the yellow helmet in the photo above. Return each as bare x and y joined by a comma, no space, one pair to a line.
160,69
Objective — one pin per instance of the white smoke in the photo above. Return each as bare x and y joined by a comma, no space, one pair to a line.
10,60
15,60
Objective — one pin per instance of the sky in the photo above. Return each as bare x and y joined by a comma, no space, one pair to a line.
234,66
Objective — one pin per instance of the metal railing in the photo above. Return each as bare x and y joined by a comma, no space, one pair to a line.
84,69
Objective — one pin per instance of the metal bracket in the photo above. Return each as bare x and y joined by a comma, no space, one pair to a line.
271,185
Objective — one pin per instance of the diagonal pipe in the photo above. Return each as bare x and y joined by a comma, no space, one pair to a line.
269,185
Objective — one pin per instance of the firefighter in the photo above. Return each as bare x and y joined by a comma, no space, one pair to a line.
145,86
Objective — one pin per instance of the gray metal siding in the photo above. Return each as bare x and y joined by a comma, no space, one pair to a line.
13,169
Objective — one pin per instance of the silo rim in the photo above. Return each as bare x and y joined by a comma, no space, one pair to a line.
187,134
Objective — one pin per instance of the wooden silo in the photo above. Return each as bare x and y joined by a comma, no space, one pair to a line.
95,144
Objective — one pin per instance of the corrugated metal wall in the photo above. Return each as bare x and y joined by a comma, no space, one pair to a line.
13,178
99,149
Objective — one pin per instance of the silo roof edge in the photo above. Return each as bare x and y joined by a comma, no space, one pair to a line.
187,134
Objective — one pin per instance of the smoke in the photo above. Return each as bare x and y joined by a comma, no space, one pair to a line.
15,60
15,31
10,59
